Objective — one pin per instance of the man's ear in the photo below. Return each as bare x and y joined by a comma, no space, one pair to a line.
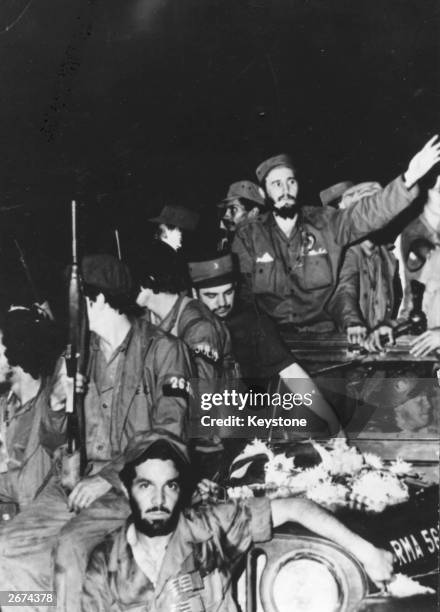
194,293
261,192
254,212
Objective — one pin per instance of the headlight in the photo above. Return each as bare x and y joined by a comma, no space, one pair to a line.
304,574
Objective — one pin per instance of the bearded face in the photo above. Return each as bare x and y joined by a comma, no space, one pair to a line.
155,497
282,190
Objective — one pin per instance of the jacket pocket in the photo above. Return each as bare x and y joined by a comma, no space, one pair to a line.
316,272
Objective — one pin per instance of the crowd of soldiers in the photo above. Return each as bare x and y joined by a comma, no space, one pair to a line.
136,529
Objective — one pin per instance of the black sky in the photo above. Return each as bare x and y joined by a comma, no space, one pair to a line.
127,105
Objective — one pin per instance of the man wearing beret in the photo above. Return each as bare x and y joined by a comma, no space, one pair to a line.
177,557
289,258
243,201
138,378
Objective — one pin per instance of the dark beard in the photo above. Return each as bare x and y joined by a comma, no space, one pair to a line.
285,212
288,211
159,527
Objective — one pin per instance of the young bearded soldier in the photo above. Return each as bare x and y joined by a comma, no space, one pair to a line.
171,556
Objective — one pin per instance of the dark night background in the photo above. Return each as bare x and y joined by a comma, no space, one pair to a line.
127,105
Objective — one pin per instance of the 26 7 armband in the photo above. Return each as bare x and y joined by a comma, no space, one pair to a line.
177,386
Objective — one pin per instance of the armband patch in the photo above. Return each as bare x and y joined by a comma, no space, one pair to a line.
177,386
206,351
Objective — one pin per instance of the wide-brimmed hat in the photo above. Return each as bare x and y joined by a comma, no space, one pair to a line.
181,217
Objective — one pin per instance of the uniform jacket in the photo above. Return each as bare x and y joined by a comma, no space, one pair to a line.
30,463
196,571
294,277
205,334
153,392
356,300
209,342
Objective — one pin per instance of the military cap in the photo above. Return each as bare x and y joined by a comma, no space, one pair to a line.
243,189
181,217
273,162
329,195
107,273
212,273
143,441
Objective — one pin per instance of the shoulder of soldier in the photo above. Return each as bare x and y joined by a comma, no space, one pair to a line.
152,335
319,216
253,225
197,313
197,322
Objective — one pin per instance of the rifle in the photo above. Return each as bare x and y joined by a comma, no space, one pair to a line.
74,463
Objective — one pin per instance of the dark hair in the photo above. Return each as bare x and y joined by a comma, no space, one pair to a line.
161,449
161,269
32,341
124,303
166,282
248,205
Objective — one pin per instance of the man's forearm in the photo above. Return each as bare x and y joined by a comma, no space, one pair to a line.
373,212
321,522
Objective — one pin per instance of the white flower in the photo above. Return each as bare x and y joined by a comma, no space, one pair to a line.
239,492
373,461
328,494
377,490
400,467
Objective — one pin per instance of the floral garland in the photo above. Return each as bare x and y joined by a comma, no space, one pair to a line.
345,477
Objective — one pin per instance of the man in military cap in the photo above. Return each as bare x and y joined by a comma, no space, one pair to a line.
174,556
243,201
289,257
172,222
256,344
138,378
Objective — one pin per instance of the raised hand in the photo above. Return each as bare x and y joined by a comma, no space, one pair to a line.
423,161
